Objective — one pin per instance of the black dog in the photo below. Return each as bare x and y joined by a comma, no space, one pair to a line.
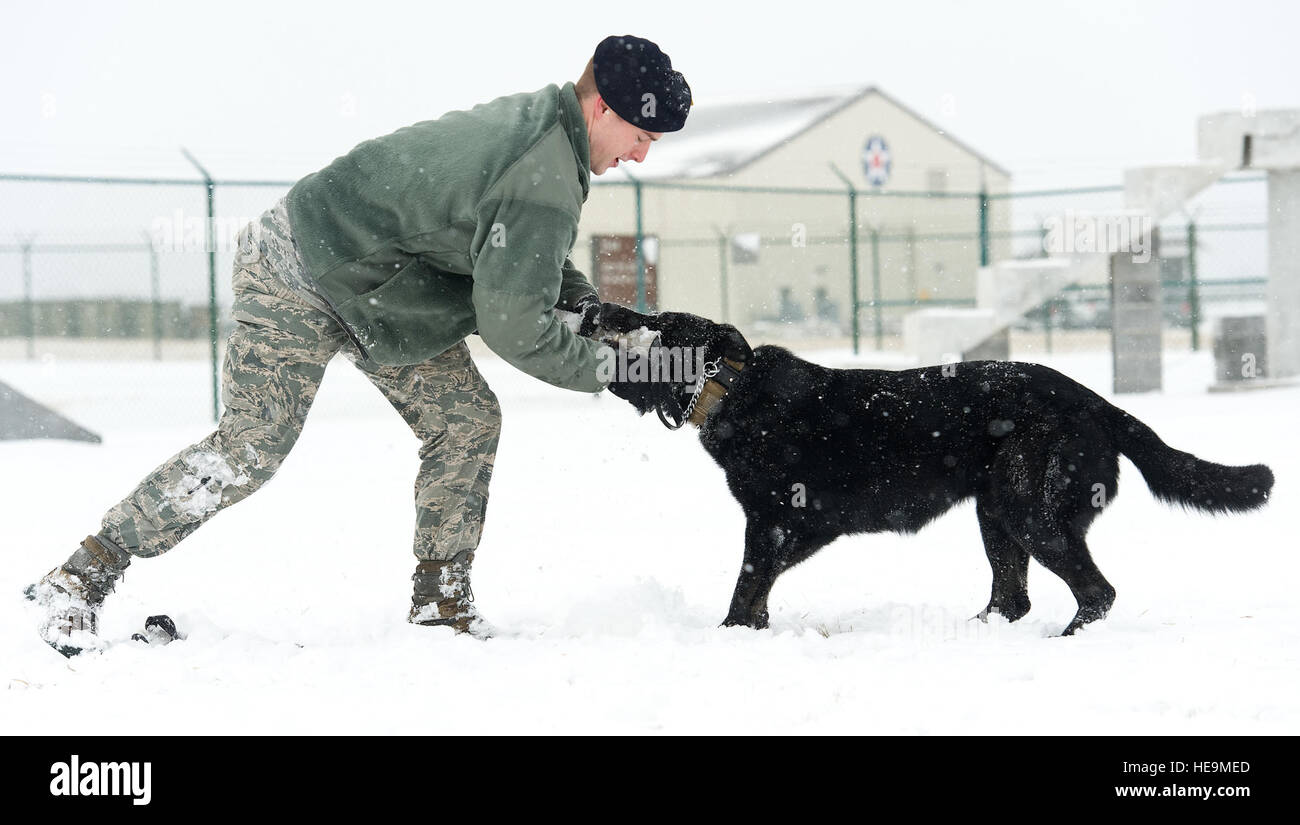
812,453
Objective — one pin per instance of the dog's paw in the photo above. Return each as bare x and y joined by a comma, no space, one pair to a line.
1072,628
754,623
1013,613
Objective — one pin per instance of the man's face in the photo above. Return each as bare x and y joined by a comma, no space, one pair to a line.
613,140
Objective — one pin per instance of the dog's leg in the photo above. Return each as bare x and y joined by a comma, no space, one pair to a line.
1092,592
1010,563
1046,509
764,542
1067,556
770,550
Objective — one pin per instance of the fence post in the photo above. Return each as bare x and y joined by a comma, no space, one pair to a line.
210,240
876,298
29,309
722,274
155,296
911,262
641,305
1193,290
984,226
853,256
1047,322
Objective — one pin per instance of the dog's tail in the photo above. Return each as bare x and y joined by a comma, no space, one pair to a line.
1181,478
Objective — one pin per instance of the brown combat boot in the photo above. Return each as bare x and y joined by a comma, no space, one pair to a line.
73,593
443,596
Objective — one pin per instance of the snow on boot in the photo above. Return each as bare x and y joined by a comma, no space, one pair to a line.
443,596
73,593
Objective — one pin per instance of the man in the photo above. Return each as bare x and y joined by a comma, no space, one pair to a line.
393,254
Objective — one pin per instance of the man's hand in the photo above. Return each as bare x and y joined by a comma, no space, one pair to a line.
589,308
610,320
617,320
644,391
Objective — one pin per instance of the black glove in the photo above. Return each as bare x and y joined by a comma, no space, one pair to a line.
616,319
646,395
588,306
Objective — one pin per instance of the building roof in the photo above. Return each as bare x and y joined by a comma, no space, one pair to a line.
724,136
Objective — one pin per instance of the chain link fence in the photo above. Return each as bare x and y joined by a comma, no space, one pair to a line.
95,269
792,264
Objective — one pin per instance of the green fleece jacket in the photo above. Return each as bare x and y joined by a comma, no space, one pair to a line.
419,238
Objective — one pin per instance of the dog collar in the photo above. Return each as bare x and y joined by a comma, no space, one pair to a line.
715,389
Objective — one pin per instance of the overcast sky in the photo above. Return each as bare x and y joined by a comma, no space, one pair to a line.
1059,92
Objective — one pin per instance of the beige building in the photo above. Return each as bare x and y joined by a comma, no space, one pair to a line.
747,220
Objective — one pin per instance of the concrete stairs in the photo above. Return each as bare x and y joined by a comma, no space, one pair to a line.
1006,290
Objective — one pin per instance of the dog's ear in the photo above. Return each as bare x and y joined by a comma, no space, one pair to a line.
735,347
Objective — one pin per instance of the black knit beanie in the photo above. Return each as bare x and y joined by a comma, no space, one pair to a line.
638,82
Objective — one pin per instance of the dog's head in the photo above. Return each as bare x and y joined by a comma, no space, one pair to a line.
663,377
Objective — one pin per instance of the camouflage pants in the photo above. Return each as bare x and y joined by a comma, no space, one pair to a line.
275,359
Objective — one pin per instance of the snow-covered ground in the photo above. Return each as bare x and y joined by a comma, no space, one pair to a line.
608,560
